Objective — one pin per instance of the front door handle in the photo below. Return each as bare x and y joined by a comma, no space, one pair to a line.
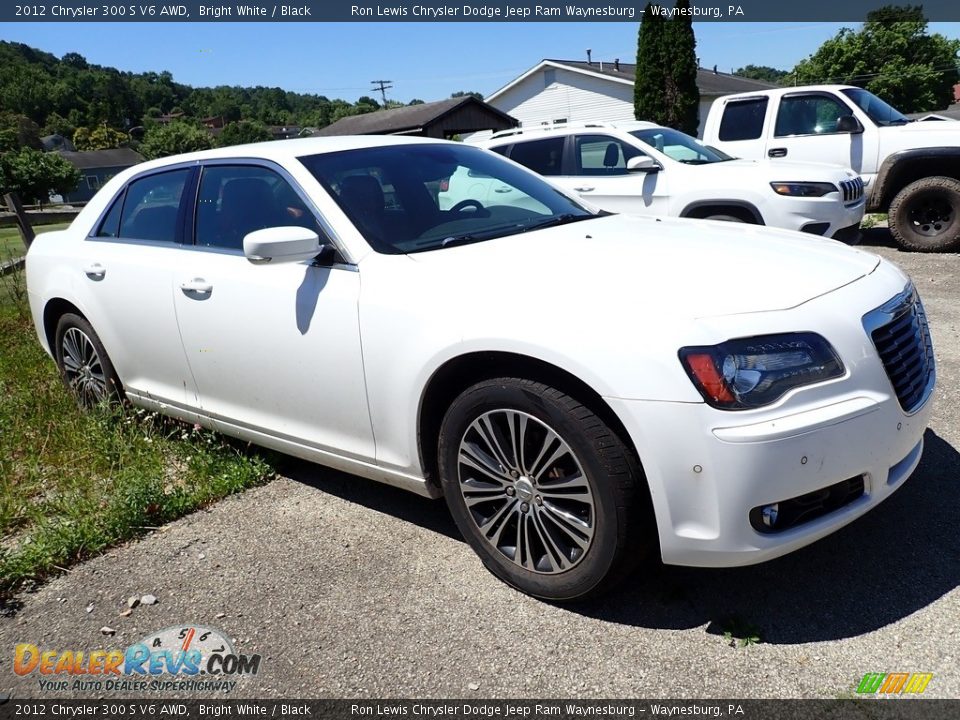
584,188
197,285
777,152
95,271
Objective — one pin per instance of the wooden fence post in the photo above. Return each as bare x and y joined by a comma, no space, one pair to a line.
23,224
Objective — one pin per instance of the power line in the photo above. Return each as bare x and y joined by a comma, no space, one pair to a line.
384,86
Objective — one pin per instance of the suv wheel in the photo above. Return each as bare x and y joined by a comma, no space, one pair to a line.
925,215
547,495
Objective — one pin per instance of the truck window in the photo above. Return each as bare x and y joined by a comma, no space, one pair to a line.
743,119
808,115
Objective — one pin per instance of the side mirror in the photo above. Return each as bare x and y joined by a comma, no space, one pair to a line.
290,243
642,164
849,124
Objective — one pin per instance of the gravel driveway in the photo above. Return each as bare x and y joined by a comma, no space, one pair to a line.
352,589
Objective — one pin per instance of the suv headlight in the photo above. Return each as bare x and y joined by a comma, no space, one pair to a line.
803,189
752,372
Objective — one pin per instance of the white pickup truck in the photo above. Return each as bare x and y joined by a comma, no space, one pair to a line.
911,169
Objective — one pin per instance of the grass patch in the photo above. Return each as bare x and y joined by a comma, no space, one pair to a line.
73,484
871,221
737,631
11,244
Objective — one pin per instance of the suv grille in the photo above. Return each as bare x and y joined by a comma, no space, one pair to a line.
852,190
901,335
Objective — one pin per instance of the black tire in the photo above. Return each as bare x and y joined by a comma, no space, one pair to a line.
74,342
623,526
725,218
925,215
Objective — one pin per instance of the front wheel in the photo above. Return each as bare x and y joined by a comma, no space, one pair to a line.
925,215
543,490
84,364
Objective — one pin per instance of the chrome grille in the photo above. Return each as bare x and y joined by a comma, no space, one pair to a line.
852,190
900,333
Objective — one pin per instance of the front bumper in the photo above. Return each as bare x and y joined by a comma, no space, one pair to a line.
711,471
820,216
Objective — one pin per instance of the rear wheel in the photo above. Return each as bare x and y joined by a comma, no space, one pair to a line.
84,364
544,491
925,215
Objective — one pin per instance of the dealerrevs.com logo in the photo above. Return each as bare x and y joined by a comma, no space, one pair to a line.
180,658
894,683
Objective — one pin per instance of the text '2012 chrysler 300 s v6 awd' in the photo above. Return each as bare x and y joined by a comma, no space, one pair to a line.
582,388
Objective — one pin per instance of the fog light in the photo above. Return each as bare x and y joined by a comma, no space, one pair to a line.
769,514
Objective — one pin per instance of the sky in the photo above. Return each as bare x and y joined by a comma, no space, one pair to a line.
428,61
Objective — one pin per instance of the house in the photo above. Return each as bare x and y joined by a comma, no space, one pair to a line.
441,119
555,91
96,167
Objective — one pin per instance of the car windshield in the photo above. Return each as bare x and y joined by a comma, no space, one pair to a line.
875,108
679,146
413,198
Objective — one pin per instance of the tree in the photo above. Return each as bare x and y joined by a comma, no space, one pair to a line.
173,139
242,132
99,138
468,93
683,95
762,72
892,56
36,175
649,87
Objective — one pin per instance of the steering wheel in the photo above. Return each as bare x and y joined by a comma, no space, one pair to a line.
469,202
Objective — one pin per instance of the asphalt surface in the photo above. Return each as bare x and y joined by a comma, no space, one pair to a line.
352,589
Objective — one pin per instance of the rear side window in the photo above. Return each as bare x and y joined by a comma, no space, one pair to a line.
743,119
541,156
152,205
110,226
502,150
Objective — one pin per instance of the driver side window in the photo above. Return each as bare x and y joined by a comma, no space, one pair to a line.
234,200
808,115
603,155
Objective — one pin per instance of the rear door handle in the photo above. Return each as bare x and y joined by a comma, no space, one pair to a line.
197,285
95,271
585,188
777,152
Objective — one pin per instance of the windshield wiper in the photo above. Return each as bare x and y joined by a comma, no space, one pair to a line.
558,220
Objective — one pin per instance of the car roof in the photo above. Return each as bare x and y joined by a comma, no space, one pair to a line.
281,150
540,131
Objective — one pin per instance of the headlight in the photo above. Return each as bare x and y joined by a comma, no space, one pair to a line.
803,189
753,372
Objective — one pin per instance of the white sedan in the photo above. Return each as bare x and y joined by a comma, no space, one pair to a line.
584,389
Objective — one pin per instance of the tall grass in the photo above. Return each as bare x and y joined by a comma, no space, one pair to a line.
73,483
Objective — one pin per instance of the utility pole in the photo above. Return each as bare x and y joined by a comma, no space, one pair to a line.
384,86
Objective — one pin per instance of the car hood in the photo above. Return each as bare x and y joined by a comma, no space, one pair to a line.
681,269
780,171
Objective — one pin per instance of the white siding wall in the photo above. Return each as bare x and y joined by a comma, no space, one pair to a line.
554,93
567,96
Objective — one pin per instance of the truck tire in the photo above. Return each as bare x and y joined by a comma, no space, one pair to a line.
925,215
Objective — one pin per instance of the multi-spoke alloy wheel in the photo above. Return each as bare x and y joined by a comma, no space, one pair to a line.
84,366
526,491
544,491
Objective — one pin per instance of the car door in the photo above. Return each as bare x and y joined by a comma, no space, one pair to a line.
598,172
805,128
128,265
275,349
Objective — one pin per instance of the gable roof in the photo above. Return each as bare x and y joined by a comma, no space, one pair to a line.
412,119
90,159
708,81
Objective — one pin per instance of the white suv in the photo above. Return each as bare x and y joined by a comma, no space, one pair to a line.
646,169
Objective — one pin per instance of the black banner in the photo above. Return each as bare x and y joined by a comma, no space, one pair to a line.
448,11
875,709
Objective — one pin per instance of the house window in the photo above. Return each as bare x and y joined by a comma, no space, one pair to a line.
93,182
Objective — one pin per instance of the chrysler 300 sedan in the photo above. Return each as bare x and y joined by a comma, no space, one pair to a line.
584,389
